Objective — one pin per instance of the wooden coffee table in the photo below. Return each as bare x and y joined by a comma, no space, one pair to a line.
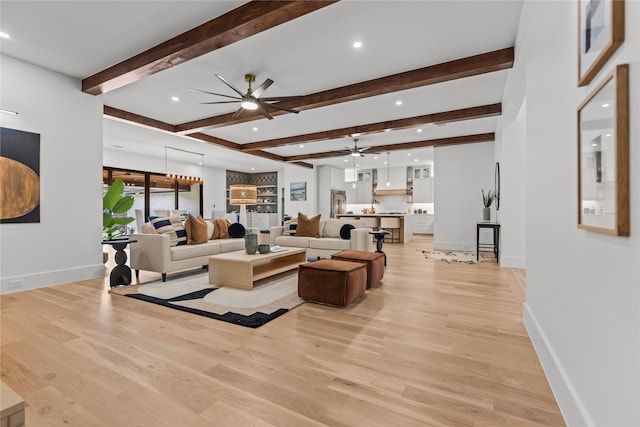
239,270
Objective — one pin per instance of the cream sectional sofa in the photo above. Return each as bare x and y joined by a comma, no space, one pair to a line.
329,241
152,252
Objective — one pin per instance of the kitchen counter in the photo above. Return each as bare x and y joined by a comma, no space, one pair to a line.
406,230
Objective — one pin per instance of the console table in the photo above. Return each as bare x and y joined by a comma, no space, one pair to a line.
121,273
495,245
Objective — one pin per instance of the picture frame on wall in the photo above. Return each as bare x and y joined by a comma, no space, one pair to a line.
298,191
600,33
603,156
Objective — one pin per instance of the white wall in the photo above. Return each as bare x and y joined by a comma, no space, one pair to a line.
463,172
582,308
293,173
65,245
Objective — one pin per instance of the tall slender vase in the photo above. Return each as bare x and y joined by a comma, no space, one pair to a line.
486,214
251,243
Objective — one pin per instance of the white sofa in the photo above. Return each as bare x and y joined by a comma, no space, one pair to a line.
329,241
153,252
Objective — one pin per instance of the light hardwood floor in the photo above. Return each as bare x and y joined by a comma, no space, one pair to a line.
437,344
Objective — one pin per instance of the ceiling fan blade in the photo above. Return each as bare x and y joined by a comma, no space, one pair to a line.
221,102
213,93
277,107
263,111
238,113
225,81
364,149
260,89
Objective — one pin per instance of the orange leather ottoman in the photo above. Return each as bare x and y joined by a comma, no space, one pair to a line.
374,262
332,282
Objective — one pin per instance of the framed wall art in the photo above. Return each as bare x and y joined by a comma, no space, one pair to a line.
19,176
298,191
600,32
603,156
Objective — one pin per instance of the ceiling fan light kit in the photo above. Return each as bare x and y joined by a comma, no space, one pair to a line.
251,100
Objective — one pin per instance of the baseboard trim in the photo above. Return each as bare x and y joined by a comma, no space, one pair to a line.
571,406
50,278
513,262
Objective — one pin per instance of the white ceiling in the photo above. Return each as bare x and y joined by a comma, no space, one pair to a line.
306,55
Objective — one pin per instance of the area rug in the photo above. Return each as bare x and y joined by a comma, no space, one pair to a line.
269,299
452,256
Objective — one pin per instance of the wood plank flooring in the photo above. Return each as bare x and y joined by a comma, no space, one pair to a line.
436,345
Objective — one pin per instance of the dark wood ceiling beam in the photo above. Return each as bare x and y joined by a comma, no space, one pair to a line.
238,24
136,119
443,117
465,139
460,68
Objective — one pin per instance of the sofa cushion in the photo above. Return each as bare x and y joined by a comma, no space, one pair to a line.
230,245
178,253
173,227
332,243
295,241
196,229
220,228
308,227
345,231
147,228
332,228
237,230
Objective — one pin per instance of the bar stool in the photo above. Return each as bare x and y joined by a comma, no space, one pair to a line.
391,224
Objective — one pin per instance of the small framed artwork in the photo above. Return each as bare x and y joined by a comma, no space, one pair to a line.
600,32
298,191
603,156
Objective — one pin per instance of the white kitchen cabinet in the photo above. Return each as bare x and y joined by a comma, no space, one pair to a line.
337,179
422,224
364,192
423,190
396,177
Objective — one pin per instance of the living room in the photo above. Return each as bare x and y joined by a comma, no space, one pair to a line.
582,299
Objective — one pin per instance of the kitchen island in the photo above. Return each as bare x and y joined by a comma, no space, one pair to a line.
406,230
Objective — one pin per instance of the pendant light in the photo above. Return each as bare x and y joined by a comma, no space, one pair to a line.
388,177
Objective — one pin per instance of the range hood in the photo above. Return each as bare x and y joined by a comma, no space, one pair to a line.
392,192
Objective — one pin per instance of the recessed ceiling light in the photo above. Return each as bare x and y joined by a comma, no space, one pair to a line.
175,99
4,35
409,154
255,129
346,160
253,169
605,105
301,145
387,130
608,134
200,163
398,102
357,44
375,157
595,144
357,164
385,163
419,130
415,160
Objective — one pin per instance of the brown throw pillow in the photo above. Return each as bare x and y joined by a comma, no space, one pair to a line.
220,228
308,227
196,229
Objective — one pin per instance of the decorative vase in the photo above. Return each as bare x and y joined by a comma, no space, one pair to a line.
251,243
486,214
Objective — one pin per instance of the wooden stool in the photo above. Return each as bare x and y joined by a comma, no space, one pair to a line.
332,282
391,224
373,261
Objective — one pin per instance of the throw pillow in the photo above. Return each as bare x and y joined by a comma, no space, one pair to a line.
289,227
173,227
236,230
345,231
332,228
220,228
196,229
308,227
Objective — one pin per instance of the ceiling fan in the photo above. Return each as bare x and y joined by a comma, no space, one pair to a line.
359,152
251,100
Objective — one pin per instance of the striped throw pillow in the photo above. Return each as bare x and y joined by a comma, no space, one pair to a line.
173,227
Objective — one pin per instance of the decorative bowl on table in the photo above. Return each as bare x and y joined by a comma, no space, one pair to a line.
264,249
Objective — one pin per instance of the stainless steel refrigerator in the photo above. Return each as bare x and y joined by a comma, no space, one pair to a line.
338,202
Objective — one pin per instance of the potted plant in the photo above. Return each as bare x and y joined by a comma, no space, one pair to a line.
487,199
114,203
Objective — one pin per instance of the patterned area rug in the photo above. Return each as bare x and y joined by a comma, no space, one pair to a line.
270,298
452,256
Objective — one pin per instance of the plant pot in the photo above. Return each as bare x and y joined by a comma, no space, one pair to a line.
486,214
251,243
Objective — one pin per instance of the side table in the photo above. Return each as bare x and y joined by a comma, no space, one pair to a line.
121,273
379,235
495,245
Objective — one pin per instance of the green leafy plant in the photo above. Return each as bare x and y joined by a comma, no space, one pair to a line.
487,199
114,202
